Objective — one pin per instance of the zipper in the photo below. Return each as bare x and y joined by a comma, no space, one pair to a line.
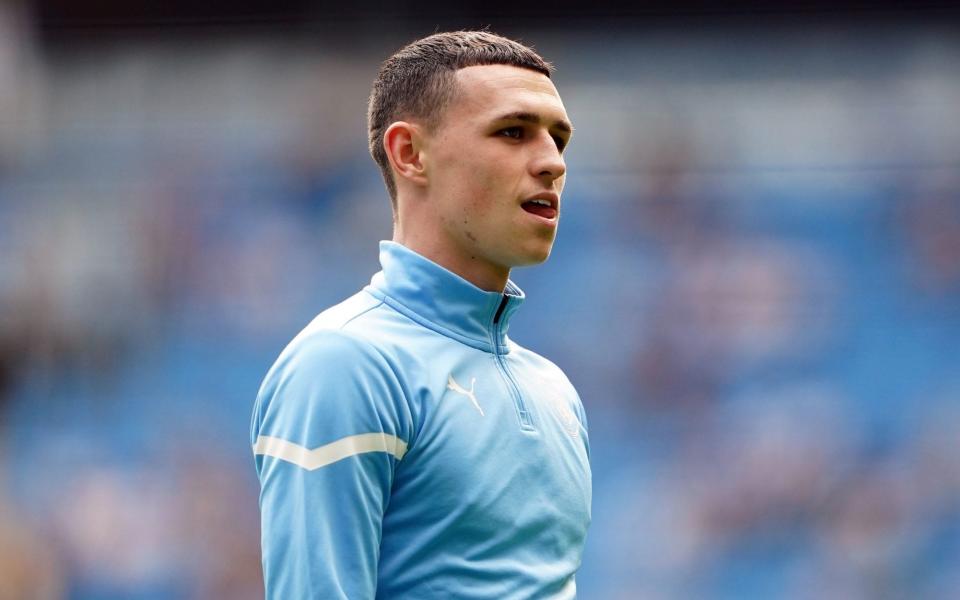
524,415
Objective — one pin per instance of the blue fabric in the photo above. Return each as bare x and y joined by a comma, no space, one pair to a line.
492,498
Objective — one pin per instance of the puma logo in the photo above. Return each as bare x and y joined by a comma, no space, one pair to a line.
456,387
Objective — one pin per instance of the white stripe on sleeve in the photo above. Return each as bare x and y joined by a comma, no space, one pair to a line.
332,452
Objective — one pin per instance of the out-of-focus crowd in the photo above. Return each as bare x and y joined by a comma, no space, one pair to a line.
767,345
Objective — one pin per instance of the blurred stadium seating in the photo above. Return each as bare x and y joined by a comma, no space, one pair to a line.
756,289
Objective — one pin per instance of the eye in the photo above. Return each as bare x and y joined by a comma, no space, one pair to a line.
512,132
560,142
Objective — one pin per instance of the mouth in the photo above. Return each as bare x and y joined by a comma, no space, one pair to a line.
545,205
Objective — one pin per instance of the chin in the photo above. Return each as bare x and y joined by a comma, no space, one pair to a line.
534,256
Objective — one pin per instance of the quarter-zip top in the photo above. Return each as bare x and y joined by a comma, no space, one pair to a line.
523,415
443,301
402,438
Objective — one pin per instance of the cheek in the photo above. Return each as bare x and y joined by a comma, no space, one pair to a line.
477,186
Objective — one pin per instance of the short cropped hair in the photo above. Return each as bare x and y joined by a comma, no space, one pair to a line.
418,83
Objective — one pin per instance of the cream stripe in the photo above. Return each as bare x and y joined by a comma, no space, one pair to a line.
569,589
332,452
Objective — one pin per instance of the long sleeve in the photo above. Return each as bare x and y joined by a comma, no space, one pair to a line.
329,427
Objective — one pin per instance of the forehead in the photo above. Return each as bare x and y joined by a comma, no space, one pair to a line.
487,90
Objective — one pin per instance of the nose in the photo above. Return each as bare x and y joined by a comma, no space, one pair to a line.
548,164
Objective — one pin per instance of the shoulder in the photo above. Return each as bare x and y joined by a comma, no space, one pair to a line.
337,334
329,382
346,315
334,351
543,366
331,357
548,374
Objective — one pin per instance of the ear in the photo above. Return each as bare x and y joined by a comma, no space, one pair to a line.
403,142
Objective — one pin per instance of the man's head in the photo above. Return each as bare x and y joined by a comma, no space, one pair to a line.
468,130
418,82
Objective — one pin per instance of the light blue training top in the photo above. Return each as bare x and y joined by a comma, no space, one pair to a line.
407,448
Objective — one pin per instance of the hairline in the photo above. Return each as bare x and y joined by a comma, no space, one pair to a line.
434,121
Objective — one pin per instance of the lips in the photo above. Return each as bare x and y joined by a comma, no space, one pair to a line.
543,205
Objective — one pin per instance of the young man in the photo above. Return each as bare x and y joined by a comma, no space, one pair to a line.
406,447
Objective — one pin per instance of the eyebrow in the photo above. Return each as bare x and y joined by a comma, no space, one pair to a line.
535,119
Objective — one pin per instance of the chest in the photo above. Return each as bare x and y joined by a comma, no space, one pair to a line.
500,447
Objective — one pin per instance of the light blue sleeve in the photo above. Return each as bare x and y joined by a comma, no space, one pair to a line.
582,415
329,426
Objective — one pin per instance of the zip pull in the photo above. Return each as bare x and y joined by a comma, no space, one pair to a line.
503,305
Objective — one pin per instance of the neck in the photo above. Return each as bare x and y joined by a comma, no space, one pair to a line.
439,249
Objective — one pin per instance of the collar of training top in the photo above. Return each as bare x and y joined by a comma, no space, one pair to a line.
444,301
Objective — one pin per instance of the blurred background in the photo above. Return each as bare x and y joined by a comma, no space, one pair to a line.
756,286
